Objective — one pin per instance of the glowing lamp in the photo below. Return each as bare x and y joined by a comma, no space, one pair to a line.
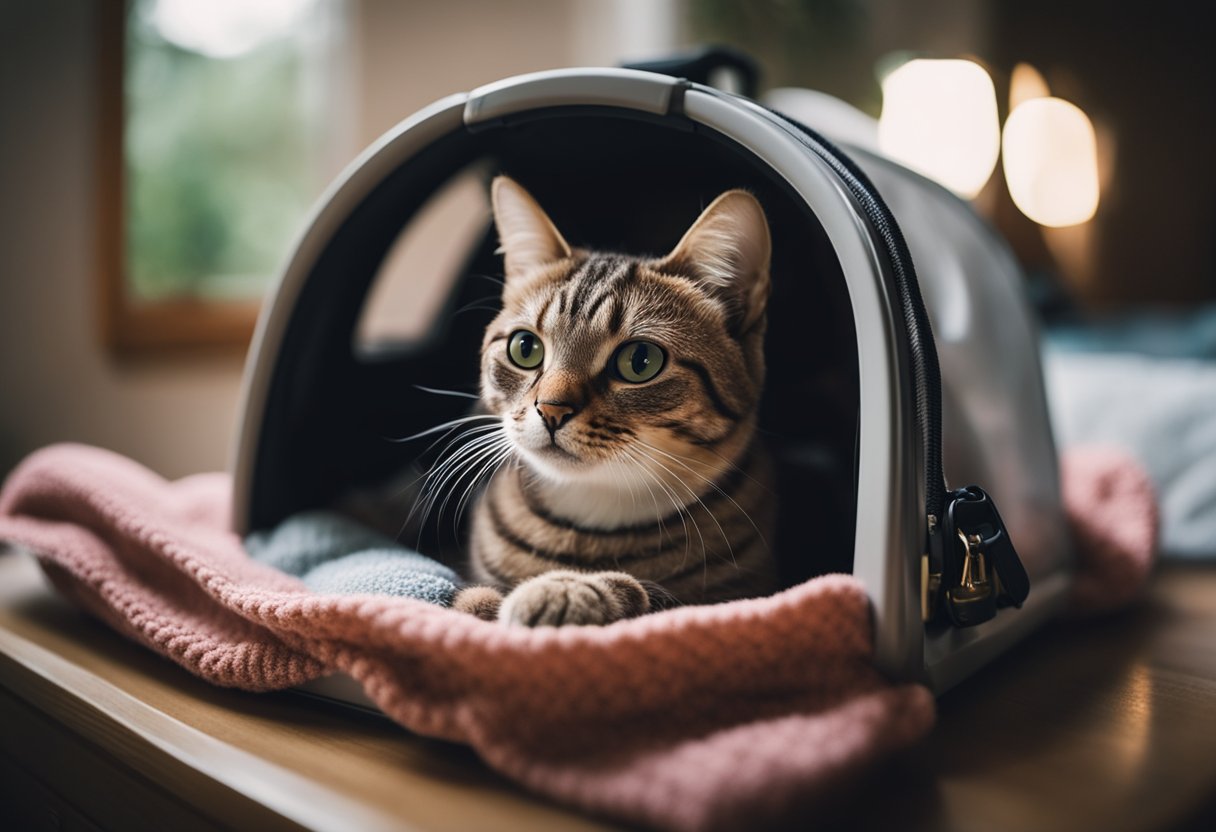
1025,83
1051,162
939,118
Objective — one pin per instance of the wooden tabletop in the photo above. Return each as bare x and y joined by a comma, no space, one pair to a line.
1107,724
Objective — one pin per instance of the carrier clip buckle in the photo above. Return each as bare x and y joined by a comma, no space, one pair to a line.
973,601
984,573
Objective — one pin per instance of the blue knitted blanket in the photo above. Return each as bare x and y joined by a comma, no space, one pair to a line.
336,555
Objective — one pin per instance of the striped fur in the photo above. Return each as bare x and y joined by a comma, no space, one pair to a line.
651,493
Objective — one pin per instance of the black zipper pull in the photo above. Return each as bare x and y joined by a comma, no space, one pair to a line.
981,569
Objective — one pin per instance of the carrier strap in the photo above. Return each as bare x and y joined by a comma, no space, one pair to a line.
699,66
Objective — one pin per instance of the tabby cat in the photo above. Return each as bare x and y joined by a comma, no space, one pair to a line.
627,390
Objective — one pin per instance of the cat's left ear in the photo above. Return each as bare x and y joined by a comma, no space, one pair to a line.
528,237
728,249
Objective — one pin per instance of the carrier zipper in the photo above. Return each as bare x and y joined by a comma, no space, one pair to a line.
926,372
965,538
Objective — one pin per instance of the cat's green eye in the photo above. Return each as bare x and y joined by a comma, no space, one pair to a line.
525,349
639,361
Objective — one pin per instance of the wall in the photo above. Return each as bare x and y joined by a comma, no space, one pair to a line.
56,381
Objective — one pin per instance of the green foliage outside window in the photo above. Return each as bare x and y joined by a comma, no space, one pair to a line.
222,160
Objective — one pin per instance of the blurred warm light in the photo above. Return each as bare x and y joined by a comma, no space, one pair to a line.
224,28
1026,83
939,118
1051,162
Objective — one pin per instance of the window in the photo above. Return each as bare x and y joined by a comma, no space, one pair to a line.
227,131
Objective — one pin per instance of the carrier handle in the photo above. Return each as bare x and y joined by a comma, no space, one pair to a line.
699,65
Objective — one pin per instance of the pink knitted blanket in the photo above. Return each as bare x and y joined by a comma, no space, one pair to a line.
703,717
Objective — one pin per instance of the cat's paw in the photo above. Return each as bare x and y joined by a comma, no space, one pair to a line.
480,601
567,597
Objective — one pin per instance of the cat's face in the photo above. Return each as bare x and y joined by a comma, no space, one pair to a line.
600,363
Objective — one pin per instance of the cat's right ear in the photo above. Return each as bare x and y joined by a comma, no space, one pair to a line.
527,237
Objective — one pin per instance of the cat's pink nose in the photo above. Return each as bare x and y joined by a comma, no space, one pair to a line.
555,414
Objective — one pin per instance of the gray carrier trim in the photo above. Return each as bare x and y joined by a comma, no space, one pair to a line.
625,88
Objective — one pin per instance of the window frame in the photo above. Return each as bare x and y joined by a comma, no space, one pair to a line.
131,327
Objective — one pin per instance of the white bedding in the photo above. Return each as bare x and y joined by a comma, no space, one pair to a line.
1163,410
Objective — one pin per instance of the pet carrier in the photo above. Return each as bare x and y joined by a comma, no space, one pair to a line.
885,380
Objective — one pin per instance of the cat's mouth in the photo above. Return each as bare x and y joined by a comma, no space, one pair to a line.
554,450
552,456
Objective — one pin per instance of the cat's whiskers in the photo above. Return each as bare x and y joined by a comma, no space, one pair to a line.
473,431
439,472
476,306
620,475
454,472
480,452
621,485
682,510
680,506
712,484
444,429
489,469
629,477
448,426
725,538
732,466
491,278
461,462
439,391
425,500
617,463
489,466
